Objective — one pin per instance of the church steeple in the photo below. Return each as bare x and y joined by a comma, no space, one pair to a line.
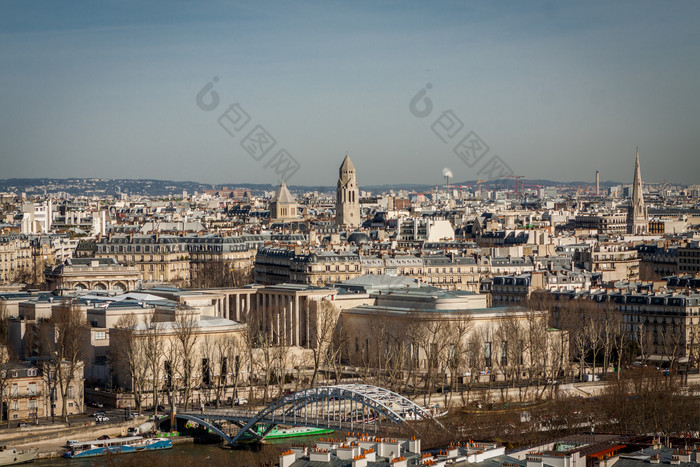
347,204
637,220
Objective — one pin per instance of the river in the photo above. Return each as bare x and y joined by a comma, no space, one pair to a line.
188,454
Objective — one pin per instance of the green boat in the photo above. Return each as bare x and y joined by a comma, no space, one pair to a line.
279,432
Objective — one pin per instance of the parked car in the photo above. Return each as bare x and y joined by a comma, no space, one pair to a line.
101,419
104,437
240,401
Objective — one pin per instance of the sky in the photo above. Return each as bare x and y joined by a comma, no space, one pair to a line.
256,92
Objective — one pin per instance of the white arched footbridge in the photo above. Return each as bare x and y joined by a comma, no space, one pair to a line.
344,406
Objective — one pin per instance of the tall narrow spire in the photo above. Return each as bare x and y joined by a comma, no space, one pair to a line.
637,220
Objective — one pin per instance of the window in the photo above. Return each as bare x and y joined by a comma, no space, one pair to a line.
487,354
100,335
206,374
504,353
168,373
70,392
31,389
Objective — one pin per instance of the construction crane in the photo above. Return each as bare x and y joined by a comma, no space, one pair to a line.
517,185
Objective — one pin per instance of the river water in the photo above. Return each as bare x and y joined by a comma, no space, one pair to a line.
187,454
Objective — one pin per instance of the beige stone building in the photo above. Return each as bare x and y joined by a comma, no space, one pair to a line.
30,389
215,356
615,261
430,329
92,274
283,206
16,258
162,258
275,265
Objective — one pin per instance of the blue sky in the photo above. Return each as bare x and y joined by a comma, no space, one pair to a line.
558,90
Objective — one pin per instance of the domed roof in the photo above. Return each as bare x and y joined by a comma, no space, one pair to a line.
358,238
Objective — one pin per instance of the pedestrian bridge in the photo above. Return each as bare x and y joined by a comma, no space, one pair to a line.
344,406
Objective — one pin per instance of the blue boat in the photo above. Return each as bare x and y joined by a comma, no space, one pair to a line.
116,446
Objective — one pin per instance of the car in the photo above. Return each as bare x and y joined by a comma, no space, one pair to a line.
22,424
240,401
98,414
98,405
101,419
104,437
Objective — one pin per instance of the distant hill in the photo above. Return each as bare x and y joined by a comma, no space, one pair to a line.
151,187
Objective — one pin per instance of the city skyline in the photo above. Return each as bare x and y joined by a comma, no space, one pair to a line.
556,91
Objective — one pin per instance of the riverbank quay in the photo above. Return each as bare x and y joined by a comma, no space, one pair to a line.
51,439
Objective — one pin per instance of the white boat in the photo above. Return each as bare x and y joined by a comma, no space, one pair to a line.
116,446
13,456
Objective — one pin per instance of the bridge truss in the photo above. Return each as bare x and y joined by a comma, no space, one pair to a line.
344,406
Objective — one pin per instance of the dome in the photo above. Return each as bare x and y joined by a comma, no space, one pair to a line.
358,238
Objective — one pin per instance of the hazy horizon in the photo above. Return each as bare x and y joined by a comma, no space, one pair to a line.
557,91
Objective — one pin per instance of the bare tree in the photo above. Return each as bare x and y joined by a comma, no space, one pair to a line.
223,359
4,376
129,355
280,357
327,315
4,322
185,327
621,339
154,351
220,273
592,328
673,342
237,357
337,348
63,341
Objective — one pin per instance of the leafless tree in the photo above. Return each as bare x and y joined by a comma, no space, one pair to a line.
643,400
4,377
280,360
4,322
592,328
333,356
673,343
220,273
621,339
327,315
185,328
63,341
154,351
129,355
